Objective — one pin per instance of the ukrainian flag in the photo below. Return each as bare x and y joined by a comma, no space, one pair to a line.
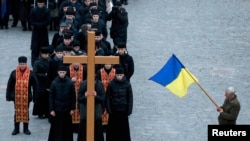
175,77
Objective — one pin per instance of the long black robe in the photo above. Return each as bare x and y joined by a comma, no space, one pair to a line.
39,19
41,105
99,100
61,101
119,103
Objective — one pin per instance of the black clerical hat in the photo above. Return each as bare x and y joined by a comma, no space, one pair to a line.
22,59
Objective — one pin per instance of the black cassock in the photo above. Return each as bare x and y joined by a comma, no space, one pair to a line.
118,127
61,127
61,101
119,103
99,99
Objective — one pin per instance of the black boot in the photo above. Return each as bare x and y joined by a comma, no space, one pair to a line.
26,129
16,130
24,25
14,24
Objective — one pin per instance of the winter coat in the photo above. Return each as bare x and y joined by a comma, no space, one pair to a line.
119,23
62,95
39,19
10,92
127,63
119,96
231,109
99,99
40,69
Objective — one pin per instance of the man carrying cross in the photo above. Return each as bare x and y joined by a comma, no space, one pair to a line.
91,60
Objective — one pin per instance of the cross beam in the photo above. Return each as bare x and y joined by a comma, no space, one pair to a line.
91,60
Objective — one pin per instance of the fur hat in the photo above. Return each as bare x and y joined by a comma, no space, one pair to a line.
67,36
95,12
40,1
22,59
119,70
76,43
44,50
66,4
121,45
59,49
92,4
62,68
98,33
67,48
70,11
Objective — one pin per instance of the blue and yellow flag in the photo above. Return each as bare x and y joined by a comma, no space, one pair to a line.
175,77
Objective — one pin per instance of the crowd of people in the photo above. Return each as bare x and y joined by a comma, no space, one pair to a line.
59,90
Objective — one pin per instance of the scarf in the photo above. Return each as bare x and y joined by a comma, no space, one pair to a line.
106,78
21,95
79,76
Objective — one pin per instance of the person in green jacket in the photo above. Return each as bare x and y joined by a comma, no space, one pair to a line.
230,109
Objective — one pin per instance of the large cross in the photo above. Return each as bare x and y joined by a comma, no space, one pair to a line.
91,60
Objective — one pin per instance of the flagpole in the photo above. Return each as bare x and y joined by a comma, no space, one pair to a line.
215,103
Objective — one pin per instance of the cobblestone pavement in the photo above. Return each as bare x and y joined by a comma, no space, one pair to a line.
210,37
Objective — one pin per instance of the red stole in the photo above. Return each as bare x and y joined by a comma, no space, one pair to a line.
106,78
22,95
79,76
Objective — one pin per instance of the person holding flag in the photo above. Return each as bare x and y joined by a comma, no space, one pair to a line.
230,109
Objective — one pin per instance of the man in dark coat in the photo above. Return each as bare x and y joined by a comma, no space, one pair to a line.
119,104
83,10
126,60
58,36
93,6
119,25
4,13
61,105
39,19
230,109
21,89
15,4
99,95
24,15
97,23
54,63
41,66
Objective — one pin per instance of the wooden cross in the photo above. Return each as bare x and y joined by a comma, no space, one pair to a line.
91,60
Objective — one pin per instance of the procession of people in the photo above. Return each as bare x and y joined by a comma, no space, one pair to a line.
59,90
